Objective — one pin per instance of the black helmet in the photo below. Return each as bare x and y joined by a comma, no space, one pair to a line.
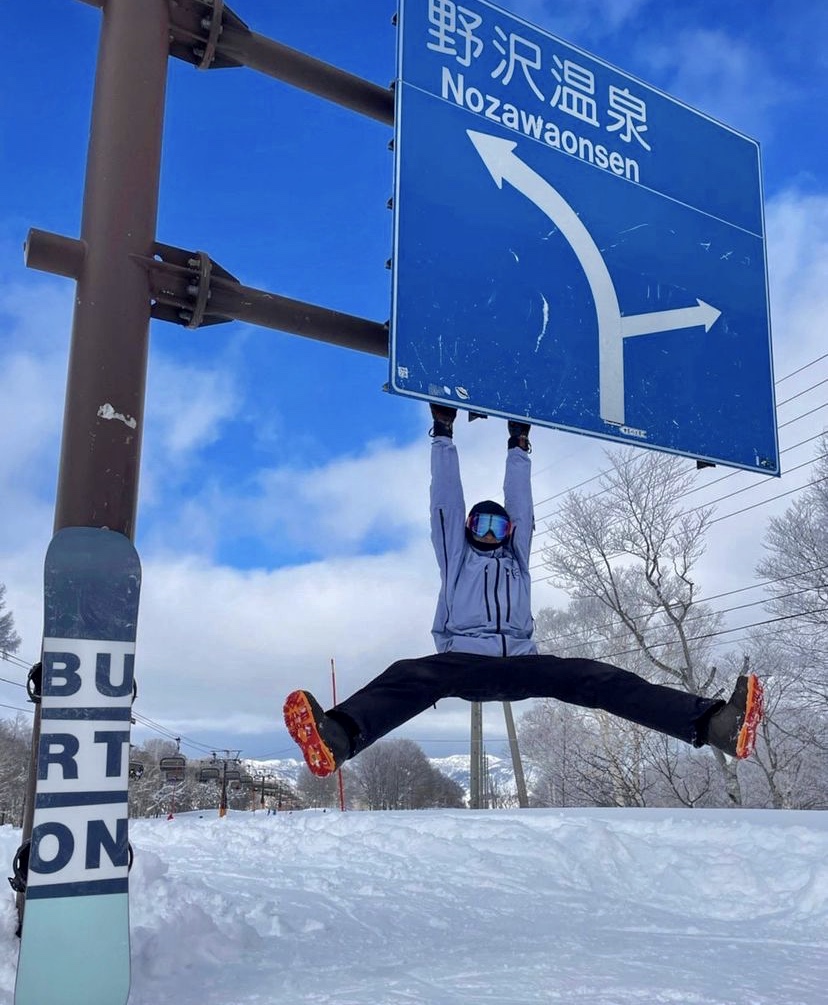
487,517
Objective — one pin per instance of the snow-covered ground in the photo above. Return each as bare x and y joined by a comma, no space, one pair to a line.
507,907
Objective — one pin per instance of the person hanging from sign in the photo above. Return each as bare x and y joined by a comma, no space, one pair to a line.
483,631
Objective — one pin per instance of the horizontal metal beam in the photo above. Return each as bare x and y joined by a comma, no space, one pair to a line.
189,289
210,35
177,286
48,252
310,74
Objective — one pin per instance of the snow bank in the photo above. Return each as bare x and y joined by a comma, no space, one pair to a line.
442,907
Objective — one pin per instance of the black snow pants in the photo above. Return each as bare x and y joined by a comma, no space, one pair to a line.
408,687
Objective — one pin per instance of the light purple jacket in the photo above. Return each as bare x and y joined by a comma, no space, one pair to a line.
485,597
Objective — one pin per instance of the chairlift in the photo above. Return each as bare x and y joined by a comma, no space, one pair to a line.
247,780
209,774
173,767
136,769
233,775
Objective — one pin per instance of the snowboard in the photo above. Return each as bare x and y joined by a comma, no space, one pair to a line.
74,947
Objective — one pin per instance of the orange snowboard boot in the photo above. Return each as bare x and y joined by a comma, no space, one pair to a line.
322,740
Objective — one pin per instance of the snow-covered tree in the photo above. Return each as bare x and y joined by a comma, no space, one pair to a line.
9,639
796,569
15,749
396,775
794,645
626,554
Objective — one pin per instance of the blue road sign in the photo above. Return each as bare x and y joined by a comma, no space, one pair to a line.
572,246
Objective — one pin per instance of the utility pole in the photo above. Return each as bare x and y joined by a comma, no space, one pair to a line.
476,780
339,771
477,788
517,764
229,773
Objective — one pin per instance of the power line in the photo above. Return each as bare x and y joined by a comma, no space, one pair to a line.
745,488
696,617
781,495
807,366
805,415
171,735
606,471
733,474
164,731
140,719
695,509
799,394
713,635
15,661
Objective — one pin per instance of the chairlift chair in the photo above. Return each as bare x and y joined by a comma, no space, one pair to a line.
173,767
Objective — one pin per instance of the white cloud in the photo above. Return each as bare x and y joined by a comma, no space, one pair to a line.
34,351
718,73
214,638
341,504
797,228
601,17
188,404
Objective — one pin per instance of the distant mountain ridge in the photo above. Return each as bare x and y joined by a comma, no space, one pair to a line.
457,767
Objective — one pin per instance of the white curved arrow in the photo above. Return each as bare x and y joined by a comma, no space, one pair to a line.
504,165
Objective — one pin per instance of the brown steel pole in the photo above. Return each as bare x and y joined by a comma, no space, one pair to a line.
103,413
103,418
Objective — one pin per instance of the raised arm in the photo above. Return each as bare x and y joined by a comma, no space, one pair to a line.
517,490
448,507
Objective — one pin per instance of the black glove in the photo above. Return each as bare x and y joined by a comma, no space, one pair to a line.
519,435
444,416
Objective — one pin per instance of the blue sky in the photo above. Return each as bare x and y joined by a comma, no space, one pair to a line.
282,518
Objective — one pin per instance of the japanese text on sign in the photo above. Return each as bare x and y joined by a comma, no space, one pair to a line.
545,76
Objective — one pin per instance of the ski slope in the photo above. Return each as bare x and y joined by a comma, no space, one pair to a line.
587,907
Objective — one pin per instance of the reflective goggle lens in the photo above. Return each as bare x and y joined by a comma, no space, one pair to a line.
481,523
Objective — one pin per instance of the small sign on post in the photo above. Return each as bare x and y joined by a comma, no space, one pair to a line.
574,247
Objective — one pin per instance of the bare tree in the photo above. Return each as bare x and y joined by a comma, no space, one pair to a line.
680,778
627,555
9,639
318,793
794,645
796,567
556,741
396,775
15,747
790,760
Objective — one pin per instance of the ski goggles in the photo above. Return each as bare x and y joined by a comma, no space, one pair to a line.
480,524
